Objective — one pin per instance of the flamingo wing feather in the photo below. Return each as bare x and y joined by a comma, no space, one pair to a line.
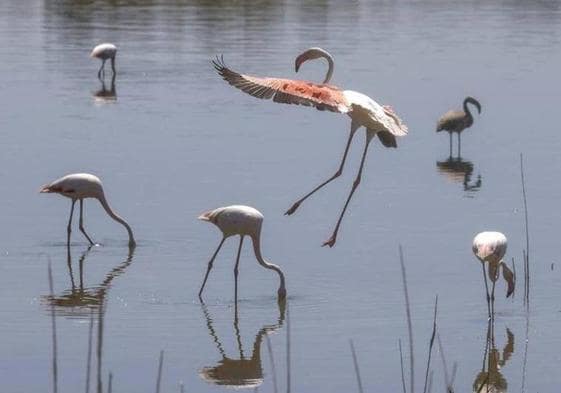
286,91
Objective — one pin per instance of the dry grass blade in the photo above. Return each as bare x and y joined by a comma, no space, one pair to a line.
429,389
453,377
431,343
447,384
357,369
89,354
409,324
110,383
272,361
527,252
525,361
513,274
402,369
287,348
160,365
100,348
53,330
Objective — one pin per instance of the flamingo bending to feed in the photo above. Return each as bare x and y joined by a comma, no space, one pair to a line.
457,121
103,52
243,221
490,247
79,186
363,111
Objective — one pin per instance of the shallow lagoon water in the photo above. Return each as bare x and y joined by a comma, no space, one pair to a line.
176,140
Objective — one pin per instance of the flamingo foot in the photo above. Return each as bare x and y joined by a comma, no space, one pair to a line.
331,241
292,209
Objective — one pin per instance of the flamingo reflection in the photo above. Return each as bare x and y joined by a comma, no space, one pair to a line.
80,300
458,170
490,379
242,372
103,94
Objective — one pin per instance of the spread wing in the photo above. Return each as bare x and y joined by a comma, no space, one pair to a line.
286,91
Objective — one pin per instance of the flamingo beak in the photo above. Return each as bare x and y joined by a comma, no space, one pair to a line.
206,216
44,189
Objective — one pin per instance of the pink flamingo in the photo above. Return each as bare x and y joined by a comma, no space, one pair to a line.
243,221
364,112
103,52
79,186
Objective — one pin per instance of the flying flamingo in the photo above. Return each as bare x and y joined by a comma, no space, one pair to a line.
103,52
363,111
457,121
79,186
490,247
243,221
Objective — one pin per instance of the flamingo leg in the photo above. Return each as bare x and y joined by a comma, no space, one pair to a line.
236,271
450,144
331,241
459,144
69,227
82,223
486,289
210,263
494,280
101,69
69,264
354,127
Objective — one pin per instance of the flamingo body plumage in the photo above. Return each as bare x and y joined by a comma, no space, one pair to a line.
243,221
363,111
490,247
80,186
458,120
104,52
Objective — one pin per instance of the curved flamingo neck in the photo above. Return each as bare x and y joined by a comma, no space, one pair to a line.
331,65
257,248
117,218
316,53
467,111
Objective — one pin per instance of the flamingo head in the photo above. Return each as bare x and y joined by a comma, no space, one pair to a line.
473,101
309,54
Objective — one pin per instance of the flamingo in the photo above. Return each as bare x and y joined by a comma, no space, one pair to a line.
79,186
490,247
457,121
103,52
363,111
243,221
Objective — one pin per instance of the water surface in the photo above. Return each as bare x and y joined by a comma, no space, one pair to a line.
170,140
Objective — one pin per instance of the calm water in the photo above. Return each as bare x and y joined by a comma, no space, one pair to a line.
175,140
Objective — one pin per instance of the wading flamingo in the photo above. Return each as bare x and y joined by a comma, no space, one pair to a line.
103,52
77,187
490,247
243,221
457,121
363,111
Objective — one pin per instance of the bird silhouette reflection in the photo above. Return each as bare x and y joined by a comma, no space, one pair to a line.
490,379
240,371
80,300
103,94
459,170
